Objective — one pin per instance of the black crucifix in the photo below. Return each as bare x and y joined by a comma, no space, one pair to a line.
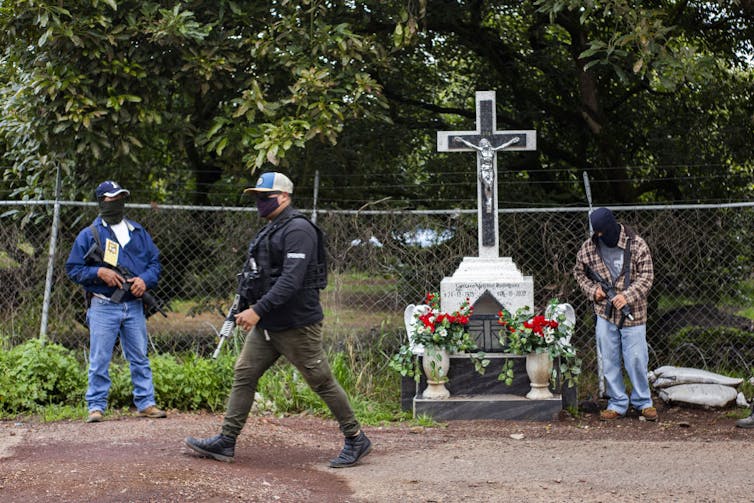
486,142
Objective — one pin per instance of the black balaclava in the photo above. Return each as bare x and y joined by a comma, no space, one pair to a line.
112,211
604,221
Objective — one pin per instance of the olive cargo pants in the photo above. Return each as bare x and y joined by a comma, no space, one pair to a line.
303,348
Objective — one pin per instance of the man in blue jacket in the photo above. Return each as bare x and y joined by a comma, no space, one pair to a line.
126,247
285,318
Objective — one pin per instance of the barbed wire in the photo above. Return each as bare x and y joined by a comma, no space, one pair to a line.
438,180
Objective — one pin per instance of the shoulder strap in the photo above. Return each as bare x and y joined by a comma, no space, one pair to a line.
626,257
627,262
95,235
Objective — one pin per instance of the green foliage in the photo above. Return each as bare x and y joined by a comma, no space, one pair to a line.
192,383
641,96
49,381
506,372
58,412
187,382
406,363
34,375
284,390
208,86
427,421
723,348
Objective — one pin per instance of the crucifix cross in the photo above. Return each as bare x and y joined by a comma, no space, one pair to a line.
486,141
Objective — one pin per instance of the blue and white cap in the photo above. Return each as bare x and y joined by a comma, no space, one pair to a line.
109,188
272,182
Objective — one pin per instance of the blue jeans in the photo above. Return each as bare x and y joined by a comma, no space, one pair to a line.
627,347
107,321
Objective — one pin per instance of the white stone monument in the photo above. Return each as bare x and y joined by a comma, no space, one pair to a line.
488,272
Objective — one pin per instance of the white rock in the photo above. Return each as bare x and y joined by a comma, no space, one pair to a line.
671,376
712,395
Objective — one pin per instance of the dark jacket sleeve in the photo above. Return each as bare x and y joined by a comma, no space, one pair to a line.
76,267
147,264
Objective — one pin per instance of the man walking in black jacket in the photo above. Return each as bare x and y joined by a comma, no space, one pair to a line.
285,320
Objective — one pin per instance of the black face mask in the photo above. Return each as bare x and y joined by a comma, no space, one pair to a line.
603,221
267,205
112,211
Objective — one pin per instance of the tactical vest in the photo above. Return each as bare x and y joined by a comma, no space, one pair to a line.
263,265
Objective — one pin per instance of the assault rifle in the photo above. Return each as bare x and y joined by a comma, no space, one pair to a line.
610,293
240,302
229,324
95,256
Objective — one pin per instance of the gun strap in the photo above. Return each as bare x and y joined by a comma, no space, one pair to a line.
626,269
95,235
627,264
626,272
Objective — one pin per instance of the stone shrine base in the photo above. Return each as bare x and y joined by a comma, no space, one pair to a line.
489,407
474,396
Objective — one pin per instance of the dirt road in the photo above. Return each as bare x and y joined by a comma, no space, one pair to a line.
689,455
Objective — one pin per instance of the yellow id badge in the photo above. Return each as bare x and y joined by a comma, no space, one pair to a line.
112,249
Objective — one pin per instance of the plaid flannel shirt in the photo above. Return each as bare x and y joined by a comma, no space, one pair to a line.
642,275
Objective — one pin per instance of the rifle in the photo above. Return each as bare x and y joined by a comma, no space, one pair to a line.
600,366
610,293
229,324
240,301
95,256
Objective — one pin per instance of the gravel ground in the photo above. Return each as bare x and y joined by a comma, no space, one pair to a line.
688,455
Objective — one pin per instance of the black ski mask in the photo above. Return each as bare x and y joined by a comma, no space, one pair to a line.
604,221
112,211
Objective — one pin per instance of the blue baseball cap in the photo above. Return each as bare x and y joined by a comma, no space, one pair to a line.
109,188
272,182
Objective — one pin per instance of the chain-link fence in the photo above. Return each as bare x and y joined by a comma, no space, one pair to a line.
382,261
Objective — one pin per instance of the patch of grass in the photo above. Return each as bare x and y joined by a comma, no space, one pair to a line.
7,262
344,320
357,282
746,313
59,412
738,413
741,302
427,422
667,302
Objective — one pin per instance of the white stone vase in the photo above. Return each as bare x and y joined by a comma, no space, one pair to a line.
435,364
539,369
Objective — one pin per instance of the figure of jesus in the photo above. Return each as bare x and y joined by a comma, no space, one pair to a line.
486,171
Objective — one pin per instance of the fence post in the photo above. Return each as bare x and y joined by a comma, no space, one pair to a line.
51,258
316,193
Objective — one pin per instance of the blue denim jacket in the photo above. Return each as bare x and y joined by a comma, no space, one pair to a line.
140,256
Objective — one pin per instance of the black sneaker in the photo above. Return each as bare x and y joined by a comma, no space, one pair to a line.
354,449
221,447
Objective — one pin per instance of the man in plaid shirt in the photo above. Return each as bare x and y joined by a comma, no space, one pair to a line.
614,269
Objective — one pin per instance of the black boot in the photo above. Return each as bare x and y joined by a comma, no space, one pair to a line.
354,449
221,447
